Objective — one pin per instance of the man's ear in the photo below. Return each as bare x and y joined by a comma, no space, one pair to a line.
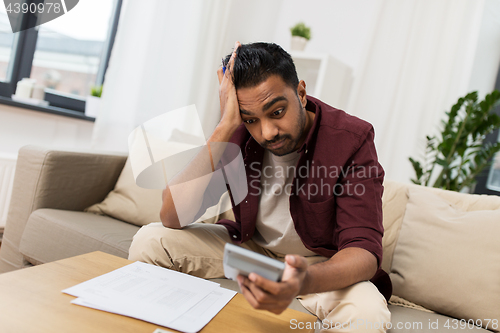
301,92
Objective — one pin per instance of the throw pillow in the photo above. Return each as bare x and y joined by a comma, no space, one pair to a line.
448,260
393,205
129,202
133,204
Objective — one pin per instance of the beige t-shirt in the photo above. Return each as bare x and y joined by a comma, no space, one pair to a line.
275,230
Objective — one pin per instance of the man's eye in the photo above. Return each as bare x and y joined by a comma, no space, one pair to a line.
277,112
249,121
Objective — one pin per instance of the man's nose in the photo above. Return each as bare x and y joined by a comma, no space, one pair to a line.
269,130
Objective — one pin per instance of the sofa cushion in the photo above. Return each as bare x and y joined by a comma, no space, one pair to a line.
394,202
447,259
53,234
394,205
404,320
129,202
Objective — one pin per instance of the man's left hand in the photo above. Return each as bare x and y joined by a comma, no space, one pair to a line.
273,296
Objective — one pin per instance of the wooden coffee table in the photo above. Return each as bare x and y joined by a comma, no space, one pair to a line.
31,301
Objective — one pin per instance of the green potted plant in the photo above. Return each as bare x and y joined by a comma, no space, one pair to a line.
300,35
93,102
453,159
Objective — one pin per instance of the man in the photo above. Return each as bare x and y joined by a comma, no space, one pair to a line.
314,199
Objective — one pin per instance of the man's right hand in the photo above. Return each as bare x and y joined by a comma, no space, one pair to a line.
192,196
229,108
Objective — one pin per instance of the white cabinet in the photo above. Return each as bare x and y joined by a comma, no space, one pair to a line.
326,78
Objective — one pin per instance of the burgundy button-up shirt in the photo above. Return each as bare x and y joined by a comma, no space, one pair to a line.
336,194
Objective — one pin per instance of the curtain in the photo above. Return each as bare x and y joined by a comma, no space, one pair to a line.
418,62
165,57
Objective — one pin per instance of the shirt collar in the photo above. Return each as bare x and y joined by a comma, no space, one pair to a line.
313,106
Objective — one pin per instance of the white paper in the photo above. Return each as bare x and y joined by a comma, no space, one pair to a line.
154,294
191,321
198,316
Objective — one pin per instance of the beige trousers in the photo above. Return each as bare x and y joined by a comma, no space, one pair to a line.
198,249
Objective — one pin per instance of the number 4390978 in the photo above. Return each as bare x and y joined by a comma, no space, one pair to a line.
456,324
34,8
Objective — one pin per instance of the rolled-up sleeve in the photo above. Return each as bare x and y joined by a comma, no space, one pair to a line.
359,204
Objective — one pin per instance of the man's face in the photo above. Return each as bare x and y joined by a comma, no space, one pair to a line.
274,115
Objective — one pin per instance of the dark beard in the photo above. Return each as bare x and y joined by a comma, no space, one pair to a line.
301,123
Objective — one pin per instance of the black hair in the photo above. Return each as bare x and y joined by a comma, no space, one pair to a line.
256,62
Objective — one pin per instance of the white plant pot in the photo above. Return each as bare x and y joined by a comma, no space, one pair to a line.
298,43
92,106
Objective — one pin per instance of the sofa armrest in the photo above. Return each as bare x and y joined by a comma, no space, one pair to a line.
58,179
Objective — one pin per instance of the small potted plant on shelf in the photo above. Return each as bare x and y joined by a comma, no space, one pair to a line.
300,35
93,102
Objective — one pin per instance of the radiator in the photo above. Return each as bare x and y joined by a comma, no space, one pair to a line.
7,169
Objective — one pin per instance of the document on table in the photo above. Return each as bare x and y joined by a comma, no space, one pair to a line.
154,294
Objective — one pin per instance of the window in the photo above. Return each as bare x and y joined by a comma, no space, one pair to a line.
67,56
494,174
6,42
488,181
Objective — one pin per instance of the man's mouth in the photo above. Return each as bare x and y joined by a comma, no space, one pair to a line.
277,144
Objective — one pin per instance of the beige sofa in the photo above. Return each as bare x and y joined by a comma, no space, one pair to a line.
442,248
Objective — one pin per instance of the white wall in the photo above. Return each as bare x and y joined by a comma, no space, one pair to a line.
20,127
343,29
338,27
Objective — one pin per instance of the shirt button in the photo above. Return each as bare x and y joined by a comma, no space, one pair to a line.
234,236
306,151
246,201
247,235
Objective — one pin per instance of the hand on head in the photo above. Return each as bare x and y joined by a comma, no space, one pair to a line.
229,108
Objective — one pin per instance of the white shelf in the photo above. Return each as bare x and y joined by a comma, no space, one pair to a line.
327,78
